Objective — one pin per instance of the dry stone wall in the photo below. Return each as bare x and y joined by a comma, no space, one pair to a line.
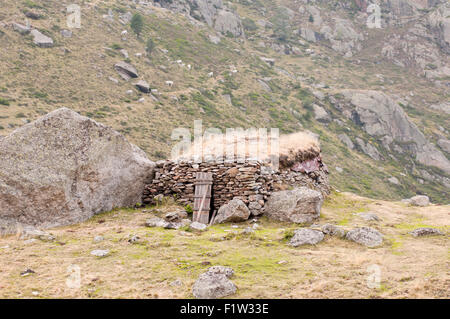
251,181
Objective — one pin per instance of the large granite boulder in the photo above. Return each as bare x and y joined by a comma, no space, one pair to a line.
63,168
300,205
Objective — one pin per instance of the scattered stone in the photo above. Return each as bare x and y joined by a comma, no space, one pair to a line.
214,283
100,253
214,39
426,231
66,33
176,216
339,170
305,236
98,239
282,262
234,211
300,205
369,217
320,114
156,222
124,53
22,29
333,230
366,236
196,226
420,200
113,80
176,283
178,225
32,15
33,233
394,180
41,40
133,239
27,272
346,140
125,70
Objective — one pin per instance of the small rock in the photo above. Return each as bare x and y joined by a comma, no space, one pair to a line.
176,283
27,272
425,231
333,230
175,216
98,239
394,180
33,233
196,226
143,86
178,225
305,236
41,40
22,29
133,239
369,217
366,236
100,253
66,33
156,222
214,283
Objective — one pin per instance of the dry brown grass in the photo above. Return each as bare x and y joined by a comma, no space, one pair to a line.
335,268
251,144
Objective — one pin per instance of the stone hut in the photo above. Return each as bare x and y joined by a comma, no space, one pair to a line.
252,181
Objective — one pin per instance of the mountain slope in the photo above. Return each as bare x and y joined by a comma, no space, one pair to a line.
384,90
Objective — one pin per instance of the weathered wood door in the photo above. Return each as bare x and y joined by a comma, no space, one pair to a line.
202,197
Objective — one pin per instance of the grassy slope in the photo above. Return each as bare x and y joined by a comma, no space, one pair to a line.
36,80
265,266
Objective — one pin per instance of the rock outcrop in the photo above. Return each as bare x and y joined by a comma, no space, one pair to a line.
63,168
300,205
382,118
212,12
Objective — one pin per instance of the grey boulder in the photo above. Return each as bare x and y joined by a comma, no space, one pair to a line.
300,205
305,236
366,236
64,168
214,283
333,230
234,211
425,231
143,86
41,40
419,200
125,70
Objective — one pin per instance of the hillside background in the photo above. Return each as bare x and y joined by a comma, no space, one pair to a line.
377,98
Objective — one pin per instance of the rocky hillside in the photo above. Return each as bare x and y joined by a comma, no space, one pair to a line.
378,98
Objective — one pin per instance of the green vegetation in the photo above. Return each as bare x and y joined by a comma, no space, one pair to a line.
137,23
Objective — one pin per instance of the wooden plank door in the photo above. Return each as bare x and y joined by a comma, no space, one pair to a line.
202,197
